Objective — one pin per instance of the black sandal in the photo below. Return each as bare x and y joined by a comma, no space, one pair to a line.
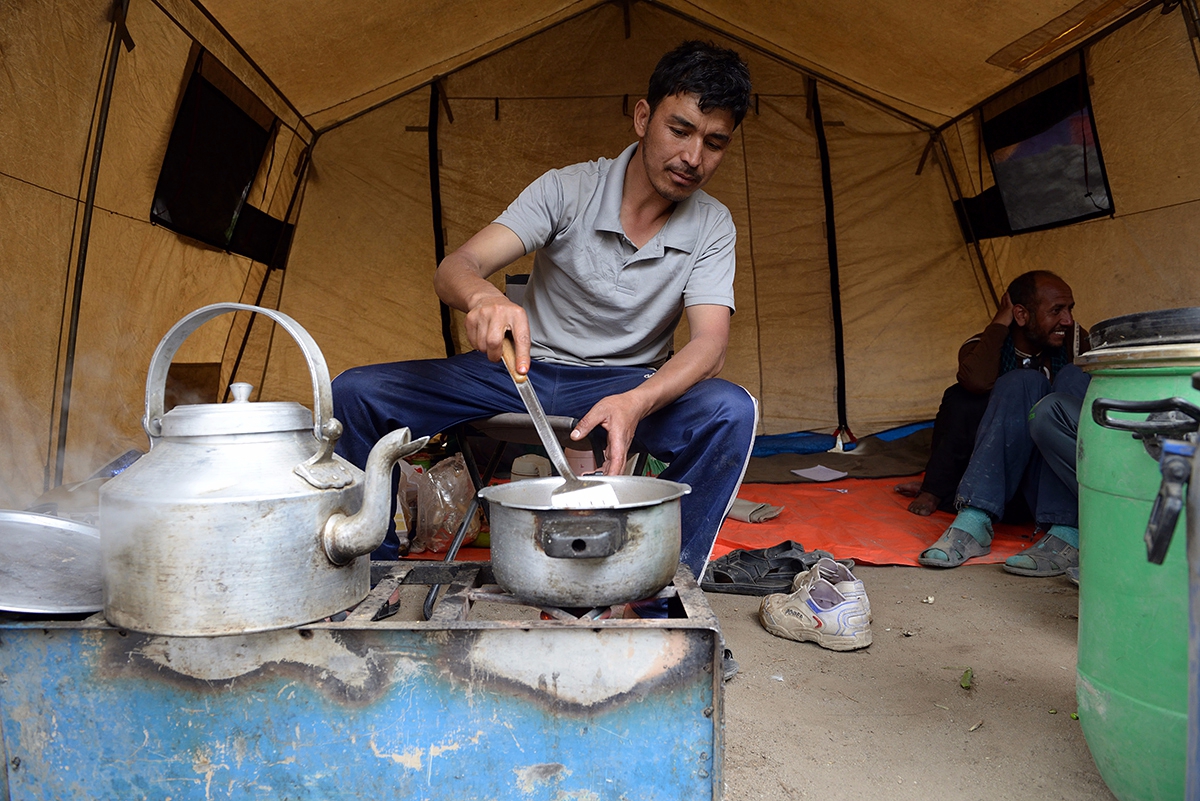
751,573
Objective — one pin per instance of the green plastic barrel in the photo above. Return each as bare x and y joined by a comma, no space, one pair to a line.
1132,674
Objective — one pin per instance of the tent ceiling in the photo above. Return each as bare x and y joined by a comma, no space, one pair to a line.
930,59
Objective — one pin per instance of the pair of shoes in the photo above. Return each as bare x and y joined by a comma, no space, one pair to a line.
817,612
837,574
1049,556
757,572
956,545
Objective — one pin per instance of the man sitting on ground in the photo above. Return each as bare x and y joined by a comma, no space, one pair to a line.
1026,435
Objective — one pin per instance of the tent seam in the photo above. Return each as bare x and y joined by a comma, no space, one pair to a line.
842,85
588,6
236,46
753,268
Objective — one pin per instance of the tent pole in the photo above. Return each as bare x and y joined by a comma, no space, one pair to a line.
835,289
120,36
435,197
300,174
969,232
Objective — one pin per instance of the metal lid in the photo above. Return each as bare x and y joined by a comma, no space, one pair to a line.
239,416
51,565
1153,328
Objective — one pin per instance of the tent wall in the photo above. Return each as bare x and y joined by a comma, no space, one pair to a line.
1145,92
362,259
139,279
529,108
548,85
909,294
53,64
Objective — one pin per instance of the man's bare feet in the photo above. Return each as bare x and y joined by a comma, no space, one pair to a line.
924,504
909,489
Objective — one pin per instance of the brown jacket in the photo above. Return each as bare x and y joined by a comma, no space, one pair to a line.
979,356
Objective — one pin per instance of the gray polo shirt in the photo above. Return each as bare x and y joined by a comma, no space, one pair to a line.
593,297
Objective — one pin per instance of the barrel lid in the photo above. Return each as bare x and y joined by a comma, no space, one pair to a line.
239,416
1147,329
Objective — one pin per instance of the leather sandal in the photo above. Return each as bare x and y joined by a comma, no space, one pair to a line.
1049,556
957,545
750,573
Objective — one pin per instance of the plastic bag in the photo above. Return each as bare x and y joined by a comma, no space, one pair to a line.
406,501
442,500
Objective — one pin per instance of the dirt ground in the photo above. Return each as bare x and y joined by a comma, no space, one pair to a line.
891,721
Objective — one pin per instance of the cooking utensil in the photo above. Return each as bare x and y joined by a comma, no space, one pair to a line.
585,557
241,518
51,565
572,492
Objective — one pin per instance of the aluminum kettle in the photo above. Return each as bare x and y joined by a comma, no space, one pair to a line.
241,518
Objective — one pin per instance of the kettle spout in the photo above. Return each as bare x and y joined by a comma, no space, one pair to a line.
347,537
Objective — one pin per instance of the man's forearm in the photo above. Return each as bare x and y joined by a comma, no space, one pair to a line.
459,285
461,279
979,361
697,360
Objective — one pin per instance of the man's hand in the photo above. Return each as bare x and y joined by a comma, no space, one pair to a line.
461,282
619,415
1004,315
699,359
490,319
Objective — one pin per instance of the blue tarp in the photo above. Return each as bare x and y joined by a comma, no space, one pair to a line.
811,442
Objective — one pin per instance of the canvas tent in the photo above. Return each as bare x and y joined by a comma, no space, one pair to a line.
856,281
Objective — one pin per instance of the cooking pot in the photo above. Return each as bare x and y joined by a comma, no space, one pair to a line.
585,557
241,518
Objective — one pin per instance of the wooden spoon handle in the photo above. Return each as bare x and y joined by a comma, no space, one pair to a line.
510,359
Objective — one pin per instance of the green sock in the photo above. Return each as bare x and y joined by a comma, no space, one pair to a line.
1068,534
975,522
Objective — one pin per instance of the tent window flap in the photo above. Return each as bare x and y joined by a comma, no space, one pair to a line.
213,156
1042,146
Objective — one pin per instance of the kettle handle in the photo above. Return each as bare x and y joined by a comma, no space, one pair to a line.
325,428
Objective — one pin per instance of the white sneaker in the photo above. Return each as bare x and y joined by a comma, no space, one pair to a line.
839,576
818,613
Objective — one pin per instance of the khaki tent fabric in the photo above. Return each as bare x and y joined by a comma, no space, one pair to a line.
53,64
139,279
359,279
1145,94
536,84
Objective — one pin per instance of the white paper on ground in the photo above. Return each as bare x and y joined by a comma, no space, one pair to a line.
820,473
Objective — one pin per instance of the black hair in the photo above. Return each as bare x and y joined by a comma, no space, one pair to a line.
718,77
1023,291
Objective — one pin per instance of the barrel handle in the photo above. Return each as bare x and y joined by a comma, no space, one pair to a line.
1102,406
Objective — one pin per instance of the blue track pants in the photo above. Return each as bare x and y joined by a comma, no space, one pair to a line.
705,436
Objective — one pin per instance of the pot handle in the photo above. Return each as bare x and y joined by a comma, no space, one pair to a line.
325,427
591,536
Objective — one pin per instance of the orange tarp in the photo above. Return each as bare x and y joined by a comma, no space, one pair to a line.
860,519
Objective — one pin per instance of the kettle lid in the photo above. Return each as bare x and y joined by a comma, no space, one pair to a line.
238,416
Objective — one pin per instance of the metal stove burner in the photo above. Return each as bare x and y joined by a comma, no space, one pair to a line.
484,700
470,583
